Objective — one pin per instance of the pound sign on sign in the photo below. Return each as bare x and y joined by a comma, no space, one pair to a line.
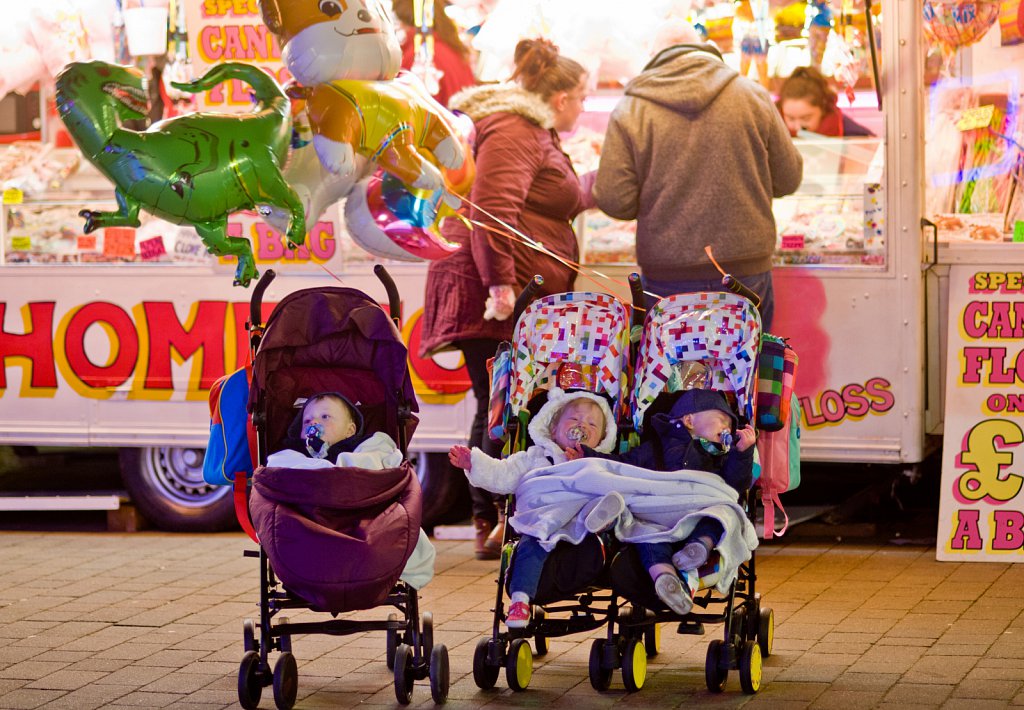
988,462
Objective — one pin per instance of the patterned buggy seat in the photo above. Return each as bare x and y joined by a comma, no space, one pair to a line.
570,340
719,329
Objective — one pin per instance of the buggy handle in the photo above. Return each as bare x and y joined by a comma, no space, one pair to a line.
256,302
735,286
394,303
528,294
636,292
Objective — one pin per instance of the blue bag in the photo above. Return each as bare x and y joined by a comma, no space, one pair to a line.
228,450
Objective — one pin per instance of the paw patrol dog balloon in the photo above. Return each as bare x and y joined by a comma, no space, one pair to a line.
346,56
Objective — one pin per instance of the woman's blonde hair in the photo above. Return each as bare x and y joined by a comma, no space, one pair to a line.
542,70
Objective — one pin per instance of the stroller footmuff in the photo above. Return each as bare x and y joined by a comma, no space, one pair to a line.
335,538
338,538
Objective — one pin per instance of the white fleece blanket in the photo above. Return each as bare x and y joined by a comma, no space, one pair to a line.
552,502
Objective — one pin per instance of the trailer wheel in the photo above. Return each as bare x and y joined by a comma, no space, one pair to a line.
166,485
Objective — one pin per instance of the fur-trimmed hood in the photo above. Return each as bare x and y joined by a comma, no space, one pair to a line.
540,425
480,101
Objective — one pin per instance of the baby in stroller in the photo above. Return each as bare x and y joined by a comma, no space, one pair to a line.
337,511
696,434
332,436
566,422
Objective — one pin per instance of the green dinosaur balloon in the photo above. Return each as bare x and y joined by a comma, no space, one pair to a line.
195,169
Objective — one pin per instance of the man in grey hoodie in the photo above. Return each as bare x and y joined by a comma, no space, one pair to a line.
695,153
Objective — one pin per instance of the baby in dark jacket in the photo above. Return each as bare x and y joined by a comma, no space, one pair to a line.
697,434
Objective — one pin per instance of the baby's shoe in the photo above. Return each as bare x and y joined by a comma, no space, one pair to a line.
607,509
518,615
694,553
674,592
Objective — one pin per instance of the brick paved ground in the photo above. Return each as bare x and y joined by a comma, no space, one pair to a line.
152,620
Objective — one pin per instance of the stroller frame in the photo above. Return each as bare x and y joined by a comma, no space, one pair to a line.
588,609
748,627
410,649
633,629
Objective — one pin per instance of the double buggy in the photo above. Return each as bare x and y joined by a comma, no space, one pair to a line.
582,341
332,540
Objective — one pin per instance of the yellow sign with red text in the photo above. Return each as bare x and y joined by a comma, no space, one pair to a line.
981,510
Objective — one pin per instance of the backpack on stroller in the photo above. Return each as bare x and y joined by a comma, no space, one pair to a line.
709,340
334,539
573,341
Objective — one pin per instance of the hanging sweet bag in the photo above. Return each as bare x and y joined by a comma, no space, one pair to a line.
776,380
500,369
779,454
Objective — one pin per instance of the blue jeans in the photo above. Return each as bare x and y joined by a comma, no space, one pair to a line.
652,553
761,284
529,563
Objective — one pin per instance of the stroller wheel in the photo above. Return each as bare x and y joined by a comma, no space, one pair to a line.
404,675
540,641
249,635
439,676
519,665
750,667
250,682
600,677
652,640
766,631
392,643
427,625
716,666
286,681
484,674
634,665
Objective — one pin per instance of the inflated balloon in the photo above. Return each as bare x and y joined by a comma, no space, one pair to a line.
197,168
381,213
346,57
952,24
317,187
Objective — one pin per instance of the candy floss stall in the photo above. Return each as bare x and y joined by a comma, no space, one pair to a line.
113,338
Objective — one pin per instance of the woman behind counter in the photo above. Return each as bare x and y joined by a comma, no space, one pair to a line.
806,101
525,180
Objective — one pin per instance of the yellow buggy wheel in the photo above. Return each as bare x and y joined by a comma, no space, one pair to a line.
634,665
750,667
519,666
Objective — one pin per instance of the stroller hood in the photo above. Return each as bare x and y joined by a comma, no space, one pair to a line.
331,339
338,537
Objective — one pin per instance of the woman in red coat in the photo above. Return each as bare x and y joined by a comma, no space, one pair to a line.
526,181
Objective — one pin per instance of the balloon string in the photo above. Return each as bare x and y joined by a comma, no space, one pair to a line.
516,235
331,273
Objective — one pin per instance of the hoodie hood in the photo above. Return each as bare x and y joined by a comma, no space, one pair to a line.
685,78
481,101
540,425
